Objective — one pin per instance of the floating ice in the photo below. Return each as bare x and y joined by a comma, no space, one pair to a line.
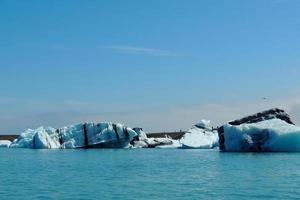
159,142
271,130
201,136
174,145
84,135
268,131
5,143
142,141
272,135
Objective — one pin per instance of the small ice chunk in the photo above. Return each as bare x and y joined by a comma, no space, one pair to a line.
5,143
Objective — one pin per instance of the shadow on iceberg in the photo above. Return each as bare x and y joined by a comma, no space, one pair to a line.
268,131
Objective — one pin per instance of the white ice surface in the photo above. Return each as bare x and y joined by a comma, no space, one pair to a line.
5,143
200,138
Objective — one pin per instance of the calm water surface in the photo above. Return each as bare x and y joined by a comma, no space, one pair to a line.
147,174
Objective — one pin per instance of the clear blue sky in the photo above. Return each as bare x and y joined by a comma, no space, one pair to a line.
108,60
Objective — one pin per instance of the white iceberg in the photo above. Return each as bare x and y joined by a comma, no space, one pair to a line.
5,143
201,136
83,135
273,135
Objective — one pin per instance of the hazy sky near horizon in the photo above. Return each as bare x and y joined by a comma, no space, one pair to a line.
161,65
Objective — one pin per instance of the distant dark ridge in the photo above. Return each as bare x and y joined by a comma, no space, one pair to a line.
173,135
8,137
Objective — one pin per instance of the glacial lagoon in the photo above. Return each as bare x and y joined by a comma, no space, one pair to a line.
147,174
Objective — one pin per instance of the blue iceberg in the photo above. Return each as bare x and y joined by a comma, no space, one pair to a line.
268,131
83,135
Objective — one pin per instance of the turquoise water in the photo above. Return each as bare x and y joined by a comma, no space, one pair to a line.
147,174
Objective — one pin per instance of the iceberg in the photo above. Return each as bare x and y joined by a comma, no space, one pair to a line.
142,141
83,135
200,136
5,143
268,131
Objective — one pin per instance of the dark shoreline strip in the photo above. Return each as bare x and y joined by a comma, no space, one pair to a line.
173,135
